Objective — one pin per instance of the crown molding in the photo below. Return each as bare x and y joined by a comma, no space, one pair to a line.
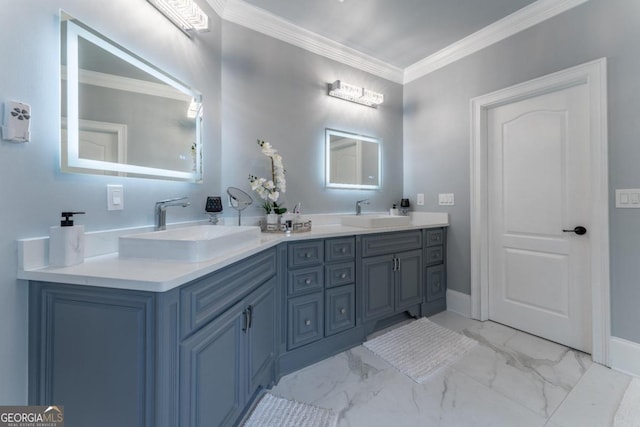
254,18
520,20
218,6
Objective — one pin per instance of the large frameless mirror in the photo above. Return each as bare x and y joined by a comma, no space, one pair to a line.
122,115
352,161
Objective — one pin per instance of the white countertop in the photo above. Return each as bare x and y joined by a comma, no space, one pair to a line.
111,271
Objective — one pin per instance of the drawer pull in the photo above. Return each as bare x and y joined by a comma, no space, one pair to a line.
343,311
308,281
307,255
343,276
307,322
343,250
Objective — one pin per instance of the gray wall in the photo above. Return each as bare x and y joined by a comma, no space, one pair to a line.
278,92
437,117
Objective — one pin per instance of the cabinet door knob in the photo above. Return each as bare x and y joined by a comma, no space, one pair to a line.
343,250
307,255
307,322
343,276
343,311
308,281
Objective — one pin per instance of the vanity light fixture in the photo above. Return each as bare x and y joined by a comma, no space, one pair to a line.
360,95
185,14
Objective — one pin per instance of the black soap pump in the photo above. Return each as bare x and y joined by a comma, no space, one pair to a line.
66,242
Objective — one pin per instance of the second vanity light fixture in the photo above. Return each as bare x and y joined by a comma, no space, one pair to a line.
185,14
353,93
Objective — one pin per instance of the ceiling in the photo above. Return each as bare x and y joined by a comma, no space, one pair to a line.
397,32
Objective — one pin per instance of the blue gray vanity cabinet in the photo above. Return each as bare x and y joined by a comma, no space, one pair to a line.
319,304
435,280
228,360
192,356
392,280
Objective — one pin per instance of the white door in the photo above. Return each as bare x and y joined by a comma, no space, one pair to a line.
95,145
538,186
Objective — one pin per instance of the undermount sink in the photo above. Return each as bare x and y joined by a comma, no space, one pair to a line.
188,244
375,221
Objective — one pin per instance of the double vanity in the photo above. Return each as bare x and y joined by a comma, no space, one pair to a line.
185,328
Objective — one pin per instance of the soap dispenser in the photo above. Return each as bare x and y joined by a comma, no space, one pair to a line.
66,242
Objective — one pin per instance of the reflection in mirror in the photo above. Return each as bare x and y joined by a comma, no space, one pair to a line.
123,116
352,161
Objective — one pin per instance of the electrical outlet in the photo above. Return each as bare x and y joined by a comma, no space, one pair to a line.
420,199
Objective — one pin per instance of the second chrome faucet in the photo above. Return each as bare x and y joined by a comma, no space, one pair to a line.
359,204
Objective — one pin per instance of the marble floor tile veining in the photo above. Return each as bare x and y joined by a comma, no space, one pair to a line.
510,379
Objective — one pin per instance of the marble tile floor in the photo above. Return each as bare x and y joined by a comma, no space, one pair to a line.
510,379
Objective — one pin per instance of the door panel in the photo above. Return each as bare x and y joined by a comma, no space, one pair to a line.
409,286
262,339
378,278
538,163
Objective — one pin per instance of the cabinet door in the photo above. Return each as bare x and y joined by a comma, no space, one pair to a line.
435,283
261,335
340,307
305,320
92,349
211,372
409,284
378,277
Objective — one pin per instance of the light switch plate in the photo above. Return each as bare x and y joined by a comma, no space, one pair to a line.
628,198
446,199
420,199
115,197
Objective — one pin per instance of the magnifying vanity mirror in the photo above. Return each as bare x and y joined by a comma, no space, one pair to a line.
121,115
352,161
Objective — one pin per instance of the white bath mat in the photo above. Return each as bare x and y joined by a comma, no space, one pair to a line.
628,414
420,348
274,411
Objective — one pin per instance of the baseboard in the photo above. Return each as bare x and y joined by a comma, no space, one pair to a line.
625,356
459,303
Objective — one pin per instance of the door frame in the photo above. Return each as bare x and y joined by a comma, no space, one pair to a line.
594,75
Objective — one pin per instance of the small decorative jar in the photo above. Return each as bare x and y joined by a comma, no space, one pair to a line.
273,218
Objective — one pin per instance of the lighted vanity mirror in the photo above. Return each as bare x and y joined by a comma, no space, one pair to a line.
122,115
352,161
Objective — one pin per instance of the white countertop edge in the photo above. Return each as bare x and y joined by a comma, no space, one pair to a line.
110,271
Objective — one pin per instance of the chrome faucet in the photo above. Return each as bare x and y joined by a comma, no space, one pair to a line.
161,210
359,204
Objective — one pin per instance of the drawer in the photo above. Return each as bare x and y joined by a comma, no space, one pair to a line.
435,237
305,320
206,298
435,283
304,254
341,249
305,280
340,274
340,309
434,255
389,243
